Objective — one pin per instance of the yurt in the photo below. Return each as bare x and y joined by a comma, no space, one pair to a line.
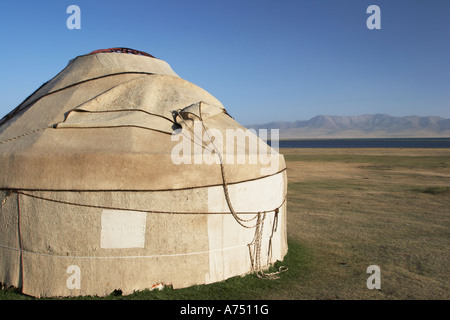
117,174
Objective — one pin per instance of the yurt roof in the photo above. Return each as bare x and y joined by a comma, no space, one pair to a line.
105,123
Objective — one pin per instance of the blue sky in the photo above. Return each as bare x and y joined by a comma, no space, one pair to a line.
264,60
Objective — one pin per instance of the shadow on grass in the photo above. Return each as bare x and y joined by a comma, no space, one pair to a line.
437,190
248,287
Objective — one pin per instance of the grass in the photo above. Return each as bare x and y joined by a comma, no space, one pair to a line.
377,161
248,287
349,209
358,207
435,190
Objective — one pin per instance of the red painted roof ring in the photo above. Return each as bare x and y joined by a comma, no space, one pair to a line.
123,50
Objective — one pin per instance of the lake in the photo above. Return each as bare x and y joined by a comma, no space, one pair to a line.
367,143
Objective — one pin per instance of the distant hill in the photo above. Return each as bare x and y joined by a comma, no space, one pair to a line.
362,126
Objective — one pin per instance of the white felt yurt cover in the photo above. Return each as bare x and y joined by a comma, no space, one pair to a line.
94,197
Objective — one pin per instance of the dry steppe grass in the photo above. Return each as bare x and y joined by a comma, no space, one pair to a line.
358,207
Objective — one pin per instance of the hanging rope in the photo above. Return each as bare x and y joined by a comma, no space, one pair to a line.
255,256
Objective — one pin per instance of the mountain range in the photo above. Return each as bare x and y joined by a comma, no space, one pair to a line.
361,126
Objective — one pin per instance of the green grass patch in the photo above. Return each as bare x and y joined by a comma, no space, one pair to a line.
248,287
13,294
437,190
